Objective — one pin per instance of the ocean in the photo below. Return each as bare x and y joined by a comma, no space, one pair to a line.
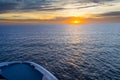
70,52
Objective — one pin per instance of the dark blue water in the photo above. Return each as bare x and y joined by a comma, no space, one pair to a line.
70,52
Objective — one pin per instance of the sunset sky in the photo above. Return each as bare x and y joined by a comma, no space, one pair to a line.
59,11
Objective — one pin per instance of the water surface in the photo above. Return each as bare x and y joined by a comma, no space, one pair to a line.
70,52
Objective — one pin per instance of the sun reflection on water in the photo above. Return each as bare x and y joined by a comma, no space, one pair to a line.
74,37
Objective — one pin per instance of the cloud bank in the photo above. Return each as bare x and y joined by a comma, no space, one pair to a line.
43,5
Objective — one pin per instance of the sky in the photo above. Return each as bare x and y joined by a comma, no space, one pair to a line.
58,11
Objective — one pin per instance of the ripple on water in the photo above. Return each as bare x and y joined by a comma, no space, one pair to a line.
91,52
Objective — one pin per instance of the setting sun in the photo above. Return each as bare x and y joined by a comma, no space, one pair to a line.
75,20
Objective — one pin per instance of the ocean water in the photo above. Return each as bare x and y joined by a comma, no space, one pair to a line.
70,52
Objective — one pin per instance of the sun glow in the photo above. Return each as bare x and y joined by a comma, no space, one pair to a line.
75,20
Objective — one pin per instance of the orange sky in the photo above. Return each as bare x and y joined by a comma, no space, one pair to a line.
59,11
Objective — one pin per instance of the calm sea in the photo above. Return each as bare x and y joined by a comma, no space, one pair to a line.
70,52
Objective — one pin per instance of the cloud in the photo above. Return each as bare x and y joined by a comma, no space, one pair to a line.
88,6
108,17
110,14
41,5
98,1
26,5
94,1
4,7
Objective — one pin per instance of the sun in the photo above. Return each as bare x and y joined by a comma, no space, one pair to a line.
75,20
